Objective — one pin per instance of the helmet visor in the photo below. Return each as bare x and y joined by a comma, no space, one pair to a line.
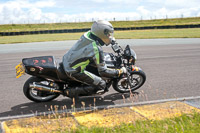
109,33
109,36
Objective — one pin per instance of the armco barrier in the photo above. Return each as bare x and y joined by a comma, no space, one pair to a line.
86,29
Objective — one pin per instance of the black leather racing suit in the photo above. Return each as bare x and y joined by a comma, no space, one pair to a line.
87,51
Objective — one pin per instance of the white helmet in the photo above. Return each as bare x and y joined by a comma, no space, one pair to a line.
103,30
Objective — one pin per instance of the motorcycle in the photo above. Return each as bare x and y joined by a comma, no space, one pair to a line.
49,80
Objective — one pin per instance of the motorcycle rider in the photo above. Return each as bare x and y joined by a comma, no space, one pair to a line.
88,51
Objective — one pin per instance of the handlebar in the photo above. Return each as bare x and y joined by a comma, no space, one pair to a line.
116,48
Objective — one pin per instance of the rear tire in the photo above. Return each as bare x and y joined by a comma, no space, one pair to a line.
138,79
36,95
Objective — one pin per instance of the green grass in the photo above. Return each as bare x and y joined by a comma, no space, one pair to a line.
39,38
141,23
160,33
134,34
187,123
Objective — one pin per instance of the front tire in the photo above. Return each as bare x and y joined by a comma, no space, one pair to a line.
36,95
137,80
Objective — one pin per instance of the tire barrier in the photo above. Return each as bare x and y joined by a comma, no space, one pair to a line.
43,32
160,27
86,29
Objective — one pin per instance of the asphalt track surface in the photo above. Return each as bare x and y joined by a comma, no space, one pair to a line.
172,67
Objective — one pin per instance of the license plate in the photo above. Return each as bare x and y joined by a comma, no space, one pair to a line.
19,70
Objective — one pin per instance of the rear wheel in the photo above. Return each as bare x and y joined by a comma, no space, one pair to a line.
37,95
137,80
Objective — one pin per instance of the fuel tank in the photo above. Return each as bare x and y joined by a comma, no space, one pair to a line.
110,60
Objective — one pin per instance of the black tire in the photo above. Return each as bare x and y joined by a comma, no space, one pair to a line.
125,88
43,97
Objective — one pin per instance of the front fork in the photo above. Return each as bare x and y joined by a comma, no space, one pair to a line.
128,74
131,70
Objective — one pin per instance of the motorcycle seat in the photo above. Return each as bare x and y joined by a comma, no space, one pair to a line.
61,72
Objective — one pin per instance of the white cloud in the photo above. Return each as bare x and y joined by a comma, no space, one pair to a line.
27,4
115,1
143,11
23,11
49,11
45,3
98,1
35,13
181,3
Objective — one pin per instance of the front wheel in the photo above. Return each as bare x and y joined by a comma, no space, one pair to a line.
122,85
36,95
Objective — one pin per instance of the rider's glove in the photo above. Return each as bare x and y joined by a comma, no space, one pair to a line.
122,70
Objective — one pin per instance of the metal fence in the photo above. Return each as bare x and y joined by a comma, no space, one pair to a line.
86,29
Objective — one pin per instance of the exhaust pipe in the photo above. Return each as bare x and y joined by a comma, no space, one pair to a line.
43,88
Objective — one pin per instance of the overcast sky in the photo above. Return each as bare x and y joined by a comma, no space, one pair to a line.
51,11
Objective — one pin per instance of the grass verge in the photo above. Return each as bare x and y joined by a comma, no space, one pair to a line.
187,123
132,34
80,25
163,117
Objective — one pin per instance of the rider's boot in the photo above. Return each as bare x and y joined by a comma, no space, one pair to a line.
101,87
75,92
